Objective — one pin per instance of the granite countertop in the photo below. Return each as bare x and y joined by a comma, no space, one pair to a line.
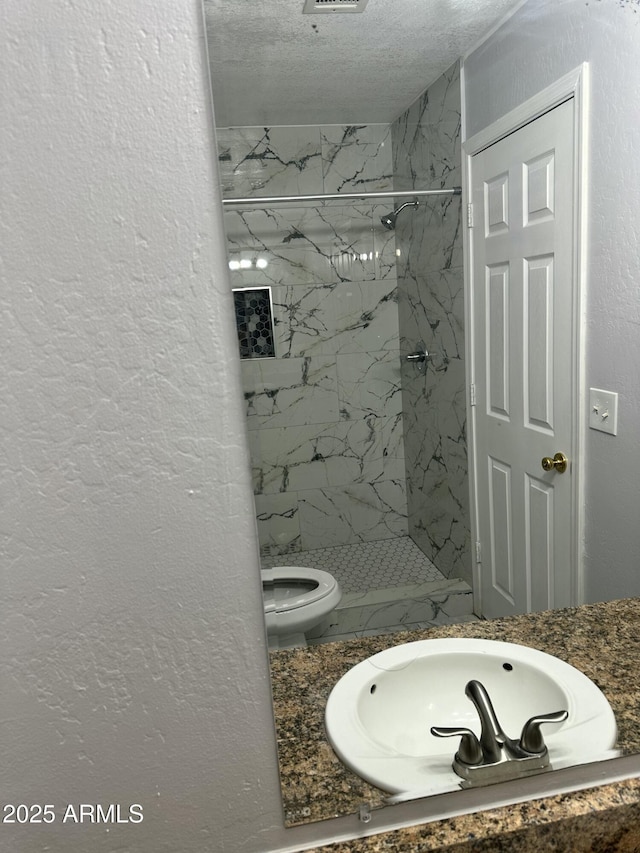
602,640
601,820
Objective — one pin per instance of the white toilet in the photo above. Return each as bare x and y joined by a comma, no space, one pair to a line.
296,599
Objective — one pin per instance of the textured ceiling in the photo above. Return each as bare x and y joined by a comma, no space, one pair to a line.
272,65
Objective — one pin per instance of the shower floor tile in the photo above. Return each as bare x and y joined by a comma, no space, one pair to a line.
367,565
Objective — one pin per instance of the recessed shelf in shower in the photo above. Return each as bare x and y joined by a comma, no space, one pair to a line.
254,322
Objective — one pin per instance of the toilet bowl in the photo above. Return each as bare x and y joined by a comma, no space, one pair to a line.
296,599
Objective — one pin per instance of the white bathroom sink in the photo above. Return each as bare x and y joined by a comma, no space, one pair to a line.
379,714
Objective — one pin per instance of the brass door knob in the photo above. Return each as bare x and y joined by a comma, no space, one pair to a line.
559,463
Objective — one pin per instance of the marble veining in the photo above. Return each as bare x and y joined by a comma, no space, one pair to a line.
352,156
357,512
336,317
302,243
398,608
426,147
325,415
333,454
281,392
269,160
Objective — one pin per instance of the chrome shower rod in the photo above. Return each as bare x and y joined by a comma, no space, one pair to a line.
284,199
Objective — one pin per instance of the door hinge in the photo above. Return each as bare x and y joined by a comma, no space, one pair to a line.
472,394
478,552
470,215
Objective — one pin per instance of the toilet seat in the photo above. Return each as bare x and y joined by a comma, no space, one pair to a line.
296,600
316,585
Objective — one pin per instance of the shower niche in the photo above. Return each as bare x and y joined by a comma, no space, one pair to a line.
254,322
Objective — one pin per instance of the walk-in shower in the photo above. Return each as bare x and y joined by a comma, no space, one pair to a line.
325,407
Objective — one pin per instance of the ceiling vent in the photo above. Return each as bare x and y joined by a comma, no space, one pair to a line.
313,6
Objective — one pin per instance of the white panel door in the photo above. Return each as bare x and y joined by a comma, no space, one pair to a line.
522,256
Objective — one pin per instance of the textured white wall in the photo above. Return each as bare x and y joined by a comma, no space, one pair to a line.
541,42
132,618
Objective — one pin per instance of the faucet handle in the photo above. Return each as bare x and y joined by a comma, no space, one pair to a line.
531,739
469,751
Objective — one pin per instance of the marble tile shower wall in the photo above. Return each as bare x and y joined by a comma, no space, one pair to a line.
426,149
325,415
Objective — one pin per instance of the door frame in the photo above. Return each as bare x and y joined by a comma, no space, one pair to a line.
572,86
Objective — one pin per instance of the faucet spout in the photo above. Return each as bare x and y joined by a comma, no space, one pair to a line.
495,744
492,737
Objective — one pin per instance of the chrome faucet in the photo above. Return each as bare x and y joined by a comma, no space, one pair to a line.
495,756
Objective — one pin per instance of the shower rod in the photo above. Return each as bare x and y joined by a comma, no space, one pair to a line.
283,199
